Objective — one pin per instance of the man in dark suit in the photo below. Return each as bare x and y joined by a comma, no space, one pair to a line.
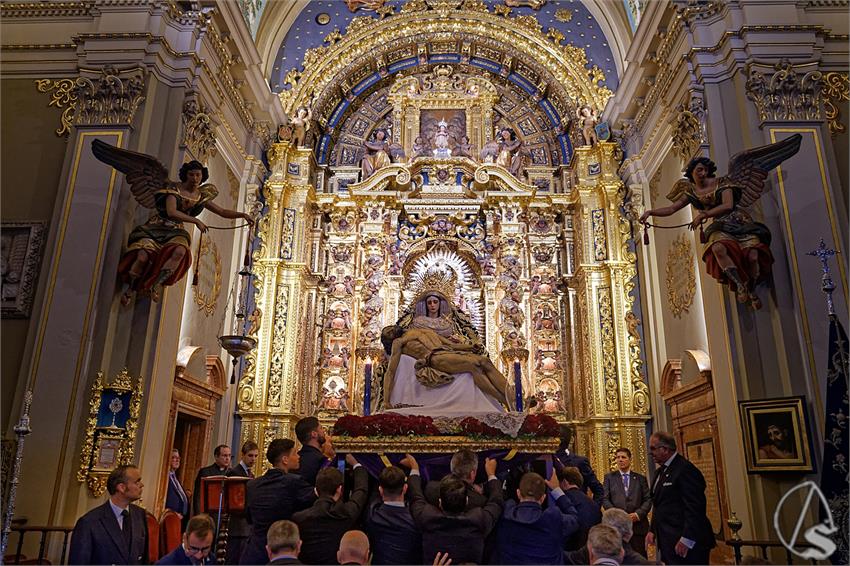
238,528
451,527
620,520
323,524
393,534
464,467
568,459
680,528
217,468
629,491
527,533
117,531
176,498
273,497
316,449
588,511
197,543
283,543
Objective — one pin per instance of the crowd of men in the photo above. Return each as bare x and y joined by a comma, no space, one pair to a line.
304,510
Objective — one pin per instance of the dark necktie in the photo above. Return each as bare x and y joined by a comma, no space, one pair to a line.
626,482
661,469
127,529
250,472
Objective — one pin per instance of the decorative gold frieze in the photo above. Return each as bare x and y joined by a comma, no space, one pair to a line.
111,429
681,279
600,243
62,95
198,130
107,98
278,346
836,92
785,94
640,390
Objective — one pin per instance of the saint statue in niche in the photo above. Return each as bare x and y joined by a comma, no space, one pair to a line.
377,154
441,140
737,248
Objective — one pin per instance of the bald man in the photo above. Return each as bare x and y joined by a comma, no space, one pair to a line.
353,548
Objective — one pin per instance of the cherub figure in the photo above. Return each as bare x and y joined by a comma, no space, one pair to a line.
420,148
737,249
464,148
300,124
158,251
588,118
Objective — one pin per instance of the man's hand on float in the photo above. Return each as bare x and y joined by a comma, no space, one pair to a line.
553,482
328,449
409,462
352,461
490,467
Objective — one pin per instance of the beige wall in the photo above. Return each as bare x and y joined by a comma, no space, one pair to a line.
32,156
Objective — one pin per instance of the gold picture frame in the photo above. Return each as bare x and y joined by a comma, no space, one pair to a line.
776,435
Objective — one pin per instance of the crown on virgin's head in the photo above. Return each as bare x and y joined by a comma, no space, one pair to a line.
437,281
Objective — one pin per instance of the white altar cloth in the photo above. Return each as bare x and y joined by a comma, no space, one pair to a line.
459,398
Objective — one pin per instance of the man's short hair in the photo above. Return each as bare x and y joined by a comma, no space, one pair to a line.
217,451
283,535
625,451
392,480
532,485
248,446
453,495
200,525
620,520
605,541
278,448
665,439
566,434
116,476
572,475
305,427
464,462
327,481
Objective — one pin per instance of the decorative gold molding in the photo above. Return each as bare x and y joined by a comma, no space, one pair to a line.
686,133
109,443
62,95
198,130
108,99
278,346
609,349
207,301
681,279
835,90
46,9
785,94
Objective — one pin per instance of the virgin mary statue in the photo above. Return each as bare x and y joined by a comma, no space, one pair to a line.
437,363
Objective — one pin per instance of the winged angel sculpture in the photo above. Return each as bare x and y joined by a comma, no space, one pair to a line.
737,248
158,251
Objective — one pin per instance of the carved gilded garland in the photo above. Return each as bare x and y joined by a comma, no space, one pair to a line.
836,92
681,279
208,289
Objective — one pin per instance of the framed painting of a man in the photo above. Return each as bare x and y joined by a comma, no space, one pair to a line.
776,435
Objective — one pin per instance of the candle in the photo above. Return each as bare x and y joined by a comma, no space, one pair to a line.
518,383
367,388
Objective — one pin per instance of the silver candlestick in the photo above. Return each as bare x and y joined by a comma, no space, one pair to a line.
22,429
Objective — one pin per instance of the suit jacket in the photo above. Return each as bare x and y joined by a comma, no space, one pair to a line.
462,535
97,538
238,524
588,516
530,535
286,561
176,498
393,535
312,460
637,500
211,470
473,498
679,510
178,557
630,557
588,476
271,497
322,525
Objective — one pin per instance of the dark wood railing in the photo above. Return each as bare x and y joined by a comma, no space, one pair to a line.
22,530
738,544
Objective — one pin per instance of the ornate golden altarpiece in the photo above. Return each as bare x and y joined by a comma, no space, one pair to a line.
545,274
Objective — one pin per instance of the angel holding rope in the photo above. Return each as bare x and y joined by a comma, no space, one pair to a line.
158,251
737,248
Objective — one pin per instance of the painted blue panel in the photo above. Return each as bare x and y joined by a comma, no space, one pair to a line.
566,148
444,58
403,64
486,64
366,83
522,82
324,144
550,112
337,113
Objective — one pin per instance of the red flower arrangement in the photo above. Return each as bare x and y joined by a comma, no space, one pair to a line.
389,424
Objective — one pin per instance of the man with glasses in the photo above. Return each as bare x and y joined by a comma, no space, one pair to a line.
197,543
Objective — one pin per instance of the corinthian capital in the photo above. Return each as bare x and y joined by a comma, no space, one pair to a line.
108,98
786,94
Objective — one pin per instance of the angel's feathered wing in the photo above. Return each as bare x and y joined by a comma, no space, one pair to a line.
749,168
144,173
